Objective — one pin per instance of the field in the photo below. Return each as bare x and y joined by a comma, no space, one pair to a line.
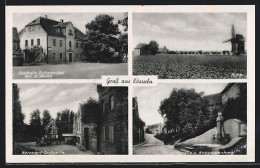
175,66
69,71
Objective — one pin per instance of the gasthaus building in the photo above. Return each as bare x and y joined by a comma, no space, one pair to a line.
61,41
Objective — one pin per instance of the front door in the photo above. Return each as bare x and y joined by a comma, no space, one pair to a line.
86,137
70,57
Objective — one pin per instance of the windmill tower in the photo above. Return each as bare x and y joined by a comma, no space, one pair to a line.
237,42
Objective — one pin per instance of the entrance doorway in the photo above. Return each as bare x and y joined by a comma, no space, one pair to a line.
70,57
86,137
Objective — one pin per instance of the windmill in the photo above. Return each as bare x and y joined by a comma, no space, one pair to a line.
237,42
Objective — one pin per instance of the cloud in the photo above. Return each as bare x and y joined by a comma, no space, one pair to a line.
54,97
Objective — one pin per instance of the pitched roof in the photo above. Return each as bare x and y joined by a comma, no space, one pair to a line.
47,25
214,99
79,34
227,87
15,35
140,45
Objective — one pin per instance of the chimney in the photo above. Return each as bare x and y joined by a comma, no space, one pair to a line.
46,16
61,20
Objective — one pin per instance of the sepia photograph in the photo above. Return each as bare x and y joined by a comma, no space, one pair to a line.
190,119
69,45
69,119
190,45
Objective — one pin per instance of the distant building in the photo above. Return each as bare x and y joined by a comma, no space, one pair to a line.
106,130
61,41
215,101
138,124
138,49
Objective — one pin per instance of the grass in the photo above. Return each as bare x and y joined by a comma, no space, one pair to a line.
71,71
176,66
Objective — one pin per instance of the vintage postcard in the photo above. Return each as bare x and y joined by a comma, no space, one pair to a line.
130,84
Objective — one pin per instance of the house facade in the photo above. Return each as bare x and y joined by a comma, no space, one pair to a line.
113,127
106,130
61,41
138,124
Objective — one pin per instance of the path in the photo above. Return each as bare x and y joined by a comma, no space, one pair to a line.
154,146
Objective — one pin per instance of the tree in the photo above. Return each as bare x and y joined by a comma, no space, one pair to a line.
90,110
154,46
18,116
186,109
102,39
35,124
64,121
124,22
46,118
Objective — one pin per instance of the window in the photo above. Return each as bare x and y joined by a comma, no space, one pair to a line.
60,55
31,29
31,42
54,42
80,56
70,32
26,43
103,134
77,45
54,55
38,42
70,44
81,45
112,103
111,133
77,56
60,43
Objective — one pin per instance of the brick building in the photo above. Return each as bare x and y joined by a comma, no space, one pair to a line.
138,124
61,41
106,130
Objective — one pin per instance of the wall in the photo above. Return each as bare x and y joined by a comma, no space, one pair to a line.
92,136
78,52
232,92
116,118
56,49
38,33
233,127
71,38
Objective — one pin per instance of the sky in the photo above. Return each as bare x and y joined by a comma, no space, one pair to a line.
188,31
79,20
149,98
54,97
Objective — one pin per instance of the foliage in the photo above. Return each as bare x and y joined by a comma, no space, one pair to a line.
18,116
102,39
186,109
33,54
147,49
35,124
90,110
46,118
124,22
153,47
64,121
176,66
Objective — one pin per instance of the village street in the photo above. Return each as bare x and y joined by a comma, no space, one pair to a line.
154,146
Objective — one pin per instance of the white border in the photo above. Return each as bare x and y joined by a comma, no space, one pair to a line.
250,157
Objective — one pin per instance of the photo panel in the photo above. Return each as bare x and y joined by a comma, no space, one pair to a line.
190,119
69,45
69,119
190,45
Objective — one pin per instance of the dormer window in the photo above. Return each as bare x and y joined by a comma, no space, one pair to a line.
70,32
